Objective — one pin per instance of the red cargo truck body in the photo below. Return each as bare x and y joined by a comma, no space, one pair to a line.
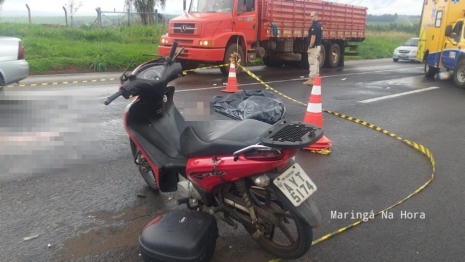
273,30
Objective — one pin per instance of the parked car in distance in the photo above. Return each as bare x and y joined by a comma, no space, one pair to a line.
407,51
13,64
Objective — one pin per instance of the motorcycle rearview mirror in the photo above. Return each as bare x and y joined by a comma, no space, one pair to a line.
172,51
179,52
123,77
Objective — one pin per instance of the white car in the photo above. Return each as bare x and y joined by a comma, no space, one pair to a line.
407,51
13,65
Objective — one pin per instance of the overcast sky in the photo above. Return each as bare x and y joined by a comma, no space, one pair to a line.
55,7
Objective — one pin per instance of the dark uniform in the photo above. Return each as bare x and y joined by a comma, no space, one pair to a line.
316,30
314,50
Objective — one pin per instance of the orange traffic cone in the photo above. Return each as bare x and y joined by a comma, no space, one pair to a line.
314,115
231,86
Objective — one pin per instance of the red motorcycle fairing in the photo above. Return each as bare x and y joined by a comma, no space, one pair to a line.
200,169
154,167
155,141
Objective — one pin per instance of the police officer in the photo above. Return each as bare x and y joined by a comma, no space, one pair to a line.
314,42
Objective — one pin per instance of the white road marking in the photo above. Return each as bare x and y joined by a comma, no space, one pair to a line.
290,80
397,95
283,81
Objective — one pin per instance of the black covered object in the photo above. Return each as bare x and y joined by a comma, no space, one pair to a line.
179,236
260,105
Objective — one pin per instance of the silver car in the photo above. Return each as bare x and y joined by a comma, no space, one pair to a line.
13,65
407,51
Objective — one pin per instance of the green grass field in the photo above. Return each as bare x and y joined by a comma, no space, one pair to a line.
381,44
61,49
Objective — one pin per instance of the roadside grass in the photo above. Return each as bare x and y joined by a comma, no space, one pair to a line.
380,44
56,49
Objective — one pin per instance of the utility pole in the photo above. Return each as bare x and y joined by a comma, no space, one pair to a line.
29,13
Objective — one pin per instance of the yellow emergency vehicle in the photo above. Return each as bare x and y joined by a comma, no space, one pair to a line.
442,39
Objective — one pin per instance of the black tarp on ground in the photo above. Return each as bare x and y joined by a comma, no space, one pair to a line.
260,105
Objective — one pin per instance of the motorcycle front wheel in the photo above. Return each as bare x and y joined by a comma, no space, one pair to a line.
145,170
291,238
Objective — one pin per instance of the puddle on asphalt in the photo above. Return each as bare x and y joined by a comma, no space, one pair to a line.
411,82
120,230
118,237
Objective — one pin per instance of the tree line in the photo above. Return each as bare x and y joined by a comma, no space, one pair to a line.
382,18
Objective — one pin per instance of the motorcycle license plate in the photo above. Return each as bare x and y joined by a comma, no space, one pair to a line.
295,184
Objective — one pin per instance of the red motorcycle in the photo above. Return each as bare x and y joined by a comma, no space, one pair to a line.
244,170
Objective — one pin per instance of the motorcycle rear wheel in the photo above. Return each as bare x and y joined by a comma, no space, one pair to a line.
146,173
303,232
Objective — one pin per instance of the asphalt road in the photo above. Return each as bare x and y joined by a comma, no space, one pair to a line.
66,172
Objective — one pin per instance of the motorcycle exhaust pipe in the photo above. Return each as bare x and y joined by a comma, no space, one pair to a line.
235,205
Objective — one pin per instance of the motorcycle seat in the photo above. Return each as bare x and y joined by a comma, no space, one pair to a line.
220,137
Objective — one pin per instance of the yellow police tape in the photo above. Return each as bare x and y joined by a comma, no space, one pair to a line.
417,146
424,150
207,67
64,82
97,80
326,151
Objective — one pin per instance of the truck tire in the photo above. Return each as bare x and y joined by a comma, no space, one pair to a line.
459,73
322,57
430,71
189,65
304,61
271,62
239,59
2,82
334,56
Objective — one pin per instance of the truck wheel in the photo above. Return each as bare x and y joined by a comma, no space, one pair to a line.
304,61
430,71
334,56
459,73
232,48
2,82
271,62
322,57
189,65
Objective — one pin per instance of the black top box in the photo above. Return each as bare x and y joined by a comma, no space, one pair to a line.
179,236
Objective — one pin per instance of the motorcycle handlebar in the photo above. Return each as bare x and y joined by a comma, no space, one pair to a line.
120,92
113,97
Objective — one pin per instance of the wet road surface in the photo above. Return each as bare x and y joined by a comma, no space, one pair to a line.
66,172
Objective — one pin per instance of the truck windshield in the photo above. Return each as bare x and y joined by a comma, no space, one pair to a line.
211,6
411,42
